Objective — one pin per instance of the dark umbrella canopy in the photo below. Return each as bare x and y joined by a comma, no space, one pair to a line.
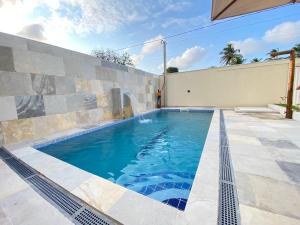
222,9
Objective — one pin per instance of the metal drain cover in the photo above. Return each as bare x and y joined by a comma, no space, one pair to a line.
4,154
63,201
86,217
19,167
228,203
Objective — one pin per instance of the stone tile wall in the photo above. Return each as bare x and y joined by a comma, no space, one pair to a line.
44,89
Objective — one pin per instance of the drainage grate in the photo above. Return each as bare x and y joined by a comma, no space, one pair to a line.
228,205
76,210
225,156
86,217
19,167
226,174
228,202
59,198
4,154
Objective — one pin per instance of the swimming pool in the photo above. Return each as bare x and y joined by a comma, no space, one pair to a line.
158,159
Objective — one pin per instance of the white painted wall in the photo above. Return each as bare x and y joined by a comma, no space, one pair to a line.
256,84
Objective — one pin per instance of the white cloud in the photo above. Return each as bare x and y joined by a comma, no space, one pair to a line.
61,20
284,33
12,16
87,16
171,6
249,46
188,58
198,20
136,59
33,31
176,6
153,45
66,18
106,16
148,48
7,1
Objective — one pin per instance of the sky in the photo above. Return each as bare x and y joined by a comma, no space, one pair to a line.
84,25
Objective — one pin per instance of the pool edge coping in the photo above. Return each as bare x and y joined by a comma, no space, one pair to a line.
208,164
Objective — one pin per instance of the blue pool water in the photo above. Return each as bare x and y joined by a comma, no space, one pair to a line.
158,159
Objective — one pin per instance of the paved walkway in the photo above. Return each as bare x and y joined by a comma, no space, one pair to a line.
20,204
265,151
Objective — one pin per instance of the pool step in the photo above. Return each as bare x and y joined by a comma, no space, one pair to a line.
165,191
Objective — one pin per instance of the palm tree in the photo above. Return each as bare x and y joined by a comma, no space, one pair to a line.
297,50
274,50
231,56
239,59
255,60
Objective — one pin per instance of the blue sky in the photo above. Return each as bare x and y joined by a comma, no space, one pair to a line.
83,25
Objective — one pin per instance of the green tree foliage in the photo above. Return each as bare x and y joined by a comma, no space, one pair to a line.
112,56
274,50
255,60
297,50
172,70
239,59
231,56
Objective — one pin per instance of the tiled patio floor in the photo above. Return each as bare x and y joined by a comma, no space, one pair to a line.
21,205
265,151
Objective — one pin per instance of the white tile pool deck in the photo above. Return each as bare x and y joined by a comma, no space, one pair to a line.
265,152
266,160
